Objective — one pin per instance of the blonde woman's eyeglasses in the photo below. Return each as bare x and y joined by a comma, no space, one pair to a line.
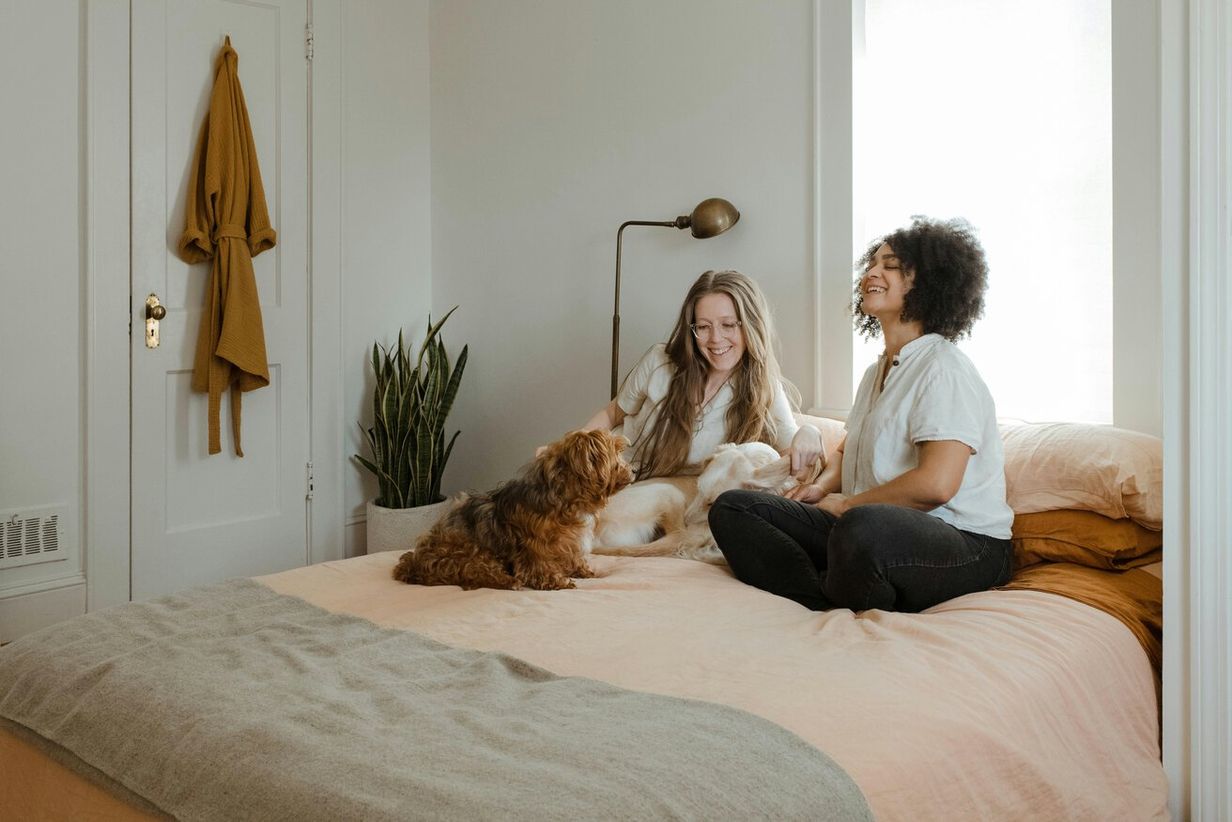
706,331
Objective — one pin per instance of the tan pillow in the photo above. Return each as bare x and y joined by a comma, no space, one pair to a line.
1110,471
1084,538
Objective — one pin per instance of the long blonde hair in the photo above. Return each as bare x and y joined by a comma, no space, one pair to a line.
664,448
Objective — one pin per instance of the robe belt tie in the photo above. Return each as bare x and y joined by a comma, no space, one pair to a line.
230,230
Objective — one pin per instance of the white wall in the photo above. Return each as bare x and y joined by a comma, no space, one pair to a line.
555,121
386,190
1137,324
42,313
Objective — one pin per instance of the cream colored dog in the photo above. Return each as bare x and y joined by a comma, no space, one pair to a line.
668,516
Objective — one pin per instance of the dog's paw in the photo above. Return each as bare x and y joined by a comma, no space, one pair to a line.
547,583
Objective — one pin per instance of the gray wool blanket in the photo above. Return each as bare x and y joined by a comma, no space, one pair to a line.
233,702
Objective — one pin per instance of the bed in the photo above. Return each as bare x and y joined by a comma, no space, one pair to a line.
662,688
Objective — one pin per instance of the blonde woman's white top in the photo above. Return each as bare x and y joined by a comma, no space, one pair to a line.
646,387
932,392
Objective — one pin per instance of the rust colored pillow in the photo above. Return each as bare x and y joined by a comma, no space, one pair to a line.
1084,538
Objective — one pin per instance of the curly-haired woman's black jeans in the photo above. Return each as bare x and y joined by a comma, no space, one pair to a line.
874,556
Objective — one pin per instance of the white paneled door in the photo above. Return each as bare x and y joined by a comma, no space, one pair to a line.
199,518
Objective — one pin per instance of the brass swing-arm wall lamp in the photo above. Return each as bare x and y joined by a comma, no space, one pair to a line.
711,218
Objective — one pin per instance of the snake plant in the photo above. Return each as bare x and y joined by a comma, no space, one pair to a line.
409,407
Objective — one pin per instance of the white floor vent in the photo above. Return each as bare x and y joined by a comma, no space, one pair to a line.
31,535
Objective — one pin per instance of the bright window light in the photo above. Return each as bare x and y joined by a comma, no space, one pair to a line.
1001,113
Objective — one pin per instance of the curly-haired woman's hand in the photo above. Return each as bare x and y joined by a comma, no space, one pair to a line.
835,504
808,494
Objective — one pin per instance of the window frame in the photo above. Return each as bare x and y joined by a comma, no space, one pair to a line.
1137,331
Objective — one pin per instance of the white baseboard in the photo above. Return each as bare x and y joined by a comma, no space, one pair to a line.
356,538
25,613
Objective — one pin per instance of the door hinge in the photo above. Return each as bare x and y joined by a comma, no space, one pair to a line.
308,41
309,480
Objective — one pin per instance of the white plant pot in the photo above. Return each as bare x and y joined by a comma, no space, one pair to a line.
396,529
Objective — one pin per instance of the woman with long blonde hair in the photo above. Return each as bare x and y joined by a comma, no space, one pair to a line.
716,380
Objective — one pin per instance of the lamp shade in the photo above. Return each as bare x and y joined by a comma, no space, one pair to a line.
712,217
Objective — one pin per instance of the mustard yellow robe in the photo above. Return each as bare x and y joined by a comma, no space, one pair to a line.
227,222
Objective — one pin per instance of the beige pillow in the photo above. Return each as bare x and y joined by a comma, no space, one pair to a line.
1110,471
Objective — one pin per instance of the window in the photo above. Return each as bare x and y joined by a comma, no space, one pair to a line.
1001,113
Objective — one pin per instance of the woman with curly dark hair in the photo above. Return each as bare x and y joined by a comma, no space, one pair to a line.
911,511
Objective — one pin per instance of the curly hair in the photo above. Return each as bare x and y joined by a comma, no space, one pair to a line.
664,449
950,277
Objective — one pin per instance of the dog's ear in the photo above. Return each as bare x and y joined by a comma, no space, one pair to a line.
777,474
586,452
771,477
588,462
818,466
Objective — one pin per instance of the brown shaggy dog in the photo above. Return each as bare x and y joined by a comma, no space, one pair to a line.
528,532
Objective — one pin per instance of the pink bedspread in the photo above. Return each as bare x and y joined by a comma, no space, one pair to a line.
996,705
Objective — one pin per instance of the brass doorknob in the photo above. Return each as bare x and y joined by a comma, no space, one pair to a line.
154,311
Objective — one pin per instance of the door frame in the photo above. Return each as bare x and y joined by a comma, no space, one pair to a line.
107,314
110,314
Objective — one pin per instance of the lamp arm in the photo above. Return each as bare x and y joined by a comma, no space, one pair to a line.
620,233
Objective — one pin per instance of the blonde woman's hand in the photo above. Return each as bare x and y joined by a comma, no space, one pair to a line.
805,450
